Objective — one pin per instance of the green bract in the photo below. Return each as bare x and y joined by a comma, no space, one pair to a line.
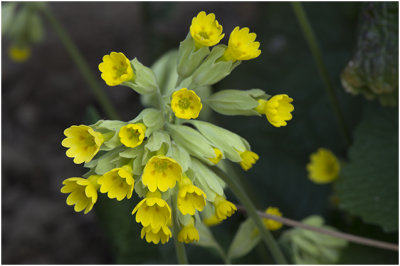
189,58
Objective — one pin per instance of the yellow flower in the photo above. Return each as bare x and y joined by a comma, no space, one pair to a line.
189,233
19,54
190,198
83,143
163,234
278,109
132,135
241,46
161,172
324,167
212,220
117,183
218,156
206,30
153,211
223,208
186,104
83,192
271,224
116,68
248,159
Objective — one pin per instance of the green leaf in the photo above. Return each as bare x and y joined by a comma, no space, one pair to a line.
7,16
157,139
204,173
368,183
35,28
246,238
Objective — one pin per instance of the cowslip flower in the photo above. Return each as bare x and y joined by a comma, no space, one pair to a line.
272,224
218,156
190,197
241,45
212,220
205,30
324,167
162,235
277,109
223,207
19,54
248,159
83,143
186,104
153,211
132,135
189,233
161,172
116,69
83,192
117,183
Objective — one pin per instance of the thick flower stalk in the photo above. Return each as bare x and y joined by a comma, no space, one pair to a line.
166,156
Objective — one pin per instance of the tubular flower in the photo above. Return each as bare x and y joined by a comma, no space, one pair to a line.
132,135
186,104
248,159
324,167
278,110
117,183
153,211
218,156
83,192
189,233
271,224
83,143
212,220
161,173
223,208
116,68
190,198
242,45
205,30
163,234
19,54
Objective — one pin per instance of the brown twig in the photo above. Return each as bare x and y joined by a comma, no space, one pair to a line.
349,237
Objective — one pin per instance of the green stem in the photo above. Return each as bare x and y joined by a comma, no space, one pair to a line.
179,246
252,211
323,72
81,64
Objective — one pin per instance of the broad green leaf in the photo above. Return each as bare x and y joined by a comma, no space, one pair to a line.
246,238
206,174
157,139
368,183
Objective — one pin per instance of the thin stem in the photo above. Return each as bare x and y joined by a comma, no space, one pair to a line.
323,72
81,64
349,237
252,211
179,247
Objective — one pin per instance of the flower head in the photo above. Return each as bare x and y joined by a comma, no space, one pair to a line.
278,110
242,45
161,173
218,156
115,69
271,224
132,135
324,167
117,183
189,233
186,104
223,208
83,192
153,211
83,143
206,30
248,159
163,234
190,198
19,54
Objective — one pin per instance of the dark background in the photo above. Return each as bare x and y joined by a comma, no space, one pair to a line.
45,95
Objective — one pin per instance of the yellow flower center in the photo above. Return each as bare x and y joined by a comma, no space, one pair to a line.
184,103
161,166
204,35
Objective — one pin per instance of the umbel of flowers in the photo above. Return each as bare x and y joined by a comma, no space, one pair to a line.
166,155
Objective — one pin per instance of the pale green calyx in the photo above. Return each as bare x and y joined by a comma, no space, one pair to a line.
236,102
145,81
